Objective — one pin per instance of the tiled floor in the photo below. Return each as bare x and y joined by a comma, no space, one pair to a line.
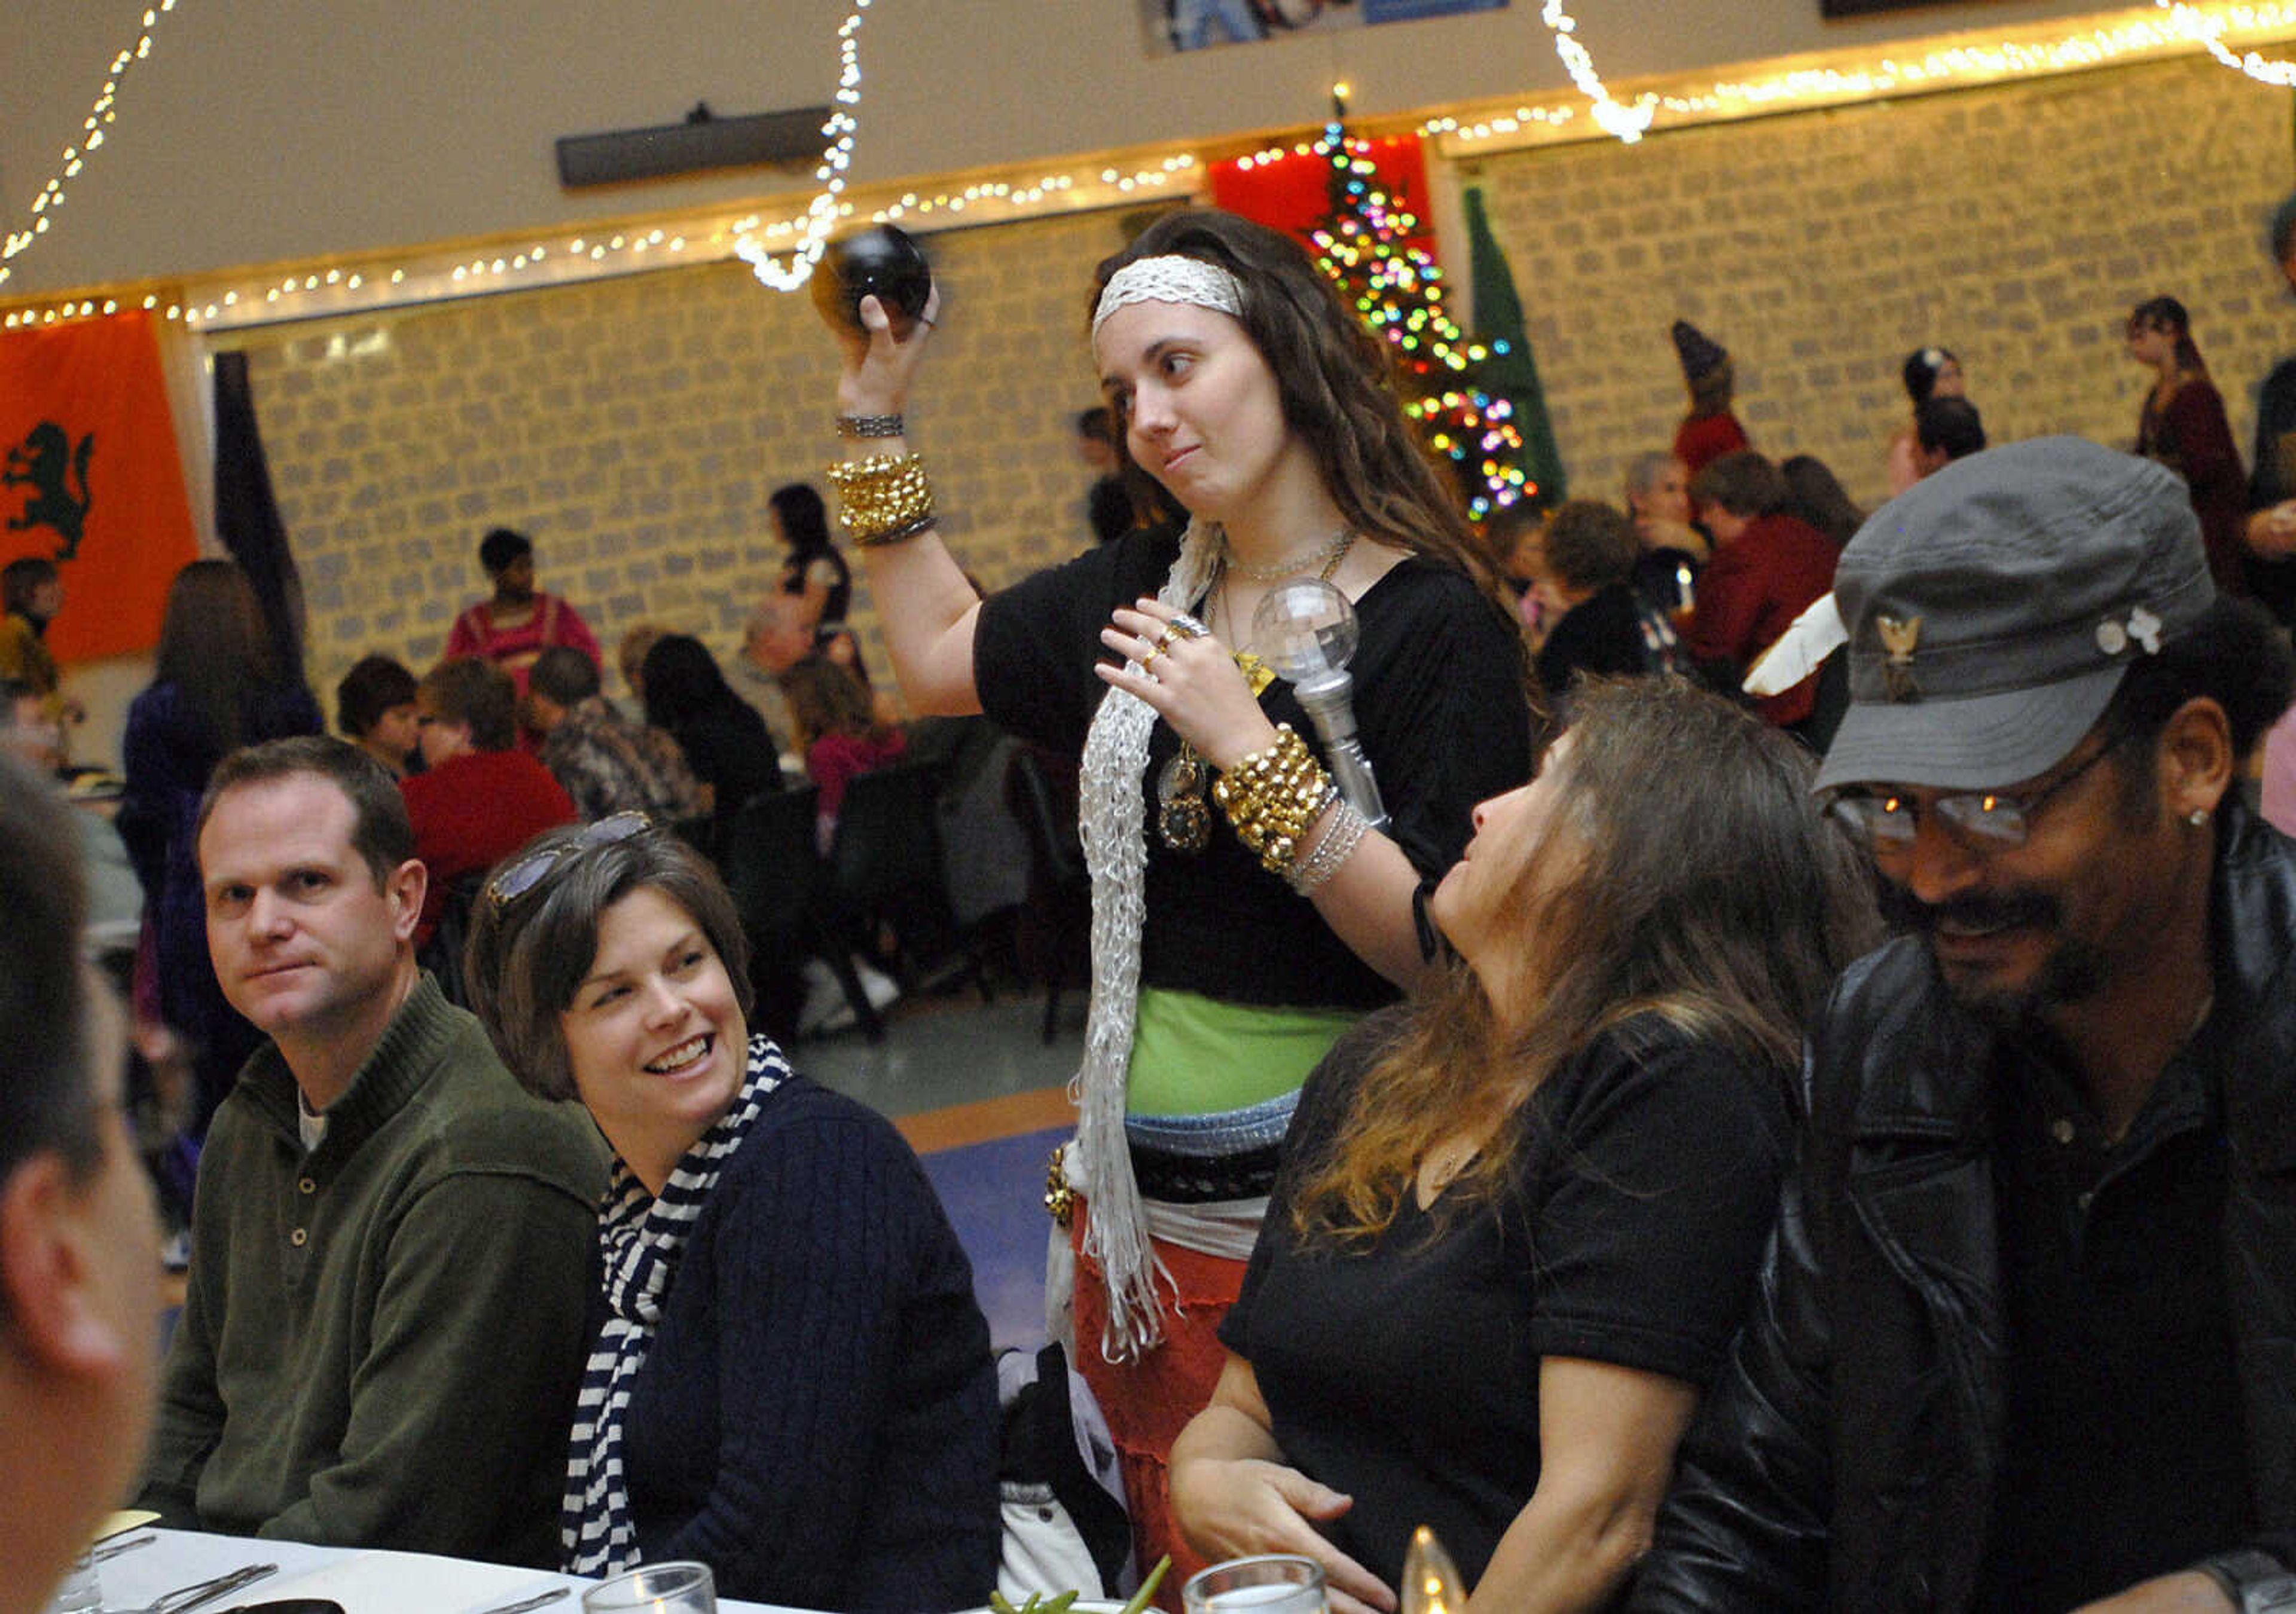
983,1099
948,1050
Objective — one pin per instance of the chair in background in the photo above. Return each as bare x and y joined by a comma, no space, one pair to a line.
986,853
781,889
1055,933
442,955
887,873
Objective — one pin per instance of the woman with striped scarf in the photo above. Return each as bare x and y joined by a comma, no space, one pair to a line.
791,1380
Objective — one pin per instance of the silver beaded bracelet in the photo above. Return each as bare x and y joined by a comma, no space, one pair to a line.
1340,839
869,425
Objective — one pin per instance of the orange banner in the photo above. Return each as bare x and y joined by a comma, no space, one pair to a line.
92,479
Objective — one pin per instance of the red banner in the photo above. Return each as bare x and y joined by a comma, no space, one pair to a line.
1292,192
92,479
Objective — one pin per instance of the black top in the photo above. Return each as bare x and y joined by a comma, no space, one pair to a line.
1601,635
1111,509
1441,710
2272,478
2126,1450
1406,1374
816,1418
1658,576
730,749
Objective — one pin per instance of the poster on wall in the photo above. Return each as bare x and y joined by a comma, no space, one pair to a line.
1190,25
1862,8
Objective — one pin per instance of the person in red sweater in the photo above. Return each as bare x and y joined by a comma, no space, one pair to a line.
478,799
1768,567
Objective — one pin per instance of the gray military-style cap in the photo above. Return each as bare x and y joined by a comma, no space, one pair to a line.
1994,607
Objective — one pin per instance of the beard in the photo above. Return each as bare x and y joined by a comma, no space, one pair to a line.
2074,972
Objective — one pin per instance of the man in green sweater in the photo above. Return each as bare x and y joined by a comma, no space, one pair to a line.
383,1330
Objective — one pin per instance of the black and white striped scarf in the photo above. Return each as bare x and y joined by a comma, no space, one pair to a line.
640,1236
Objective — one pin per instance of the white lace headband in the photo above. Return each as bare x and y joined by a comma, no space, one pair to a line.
1169,279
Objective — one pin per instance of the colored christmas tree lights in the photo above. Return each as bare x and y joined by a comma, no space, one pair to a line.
1371,243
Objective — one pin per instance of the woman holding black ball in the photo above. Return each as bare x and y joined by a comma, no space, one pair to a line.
1245,386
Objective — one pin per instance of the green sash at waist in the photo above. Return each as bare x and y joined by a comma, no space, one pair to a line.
1194,1055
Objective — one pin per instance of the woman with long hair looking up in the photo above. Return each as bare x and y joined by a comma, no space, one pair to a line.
1519,1220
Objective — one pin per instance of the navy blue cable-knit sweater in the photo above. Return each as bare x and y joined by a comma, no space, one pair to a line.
816,1420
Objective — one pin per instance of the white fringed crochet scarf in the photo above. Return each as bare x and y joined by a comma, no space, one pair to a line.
1114,826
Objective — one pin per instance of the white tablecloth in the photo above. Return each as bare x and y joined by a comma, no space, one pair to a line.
363,1582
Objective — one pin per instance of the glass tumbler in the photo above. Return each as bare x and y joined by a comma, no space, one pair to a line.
658,1588
78,1593
1273,1582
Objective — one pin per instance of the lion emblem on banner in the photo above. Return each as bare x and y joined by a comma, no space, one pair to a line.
47,463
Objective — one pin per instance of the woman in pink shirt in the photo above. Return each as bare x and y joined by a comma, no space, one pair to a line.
839,731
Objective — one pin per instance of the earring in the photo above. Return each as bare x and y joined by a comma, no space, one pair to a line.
2197,817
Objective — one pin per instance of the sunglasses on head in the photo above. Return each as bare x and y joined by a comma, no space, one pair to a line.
518,877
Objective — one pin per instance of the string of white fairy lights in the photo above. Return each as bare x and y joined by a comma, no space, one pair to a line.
2178,22
802,238
821,213
84,146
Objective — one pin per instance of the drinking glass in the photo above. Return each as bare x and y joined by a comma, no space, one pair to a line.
1273,1582
658,1589
79,1591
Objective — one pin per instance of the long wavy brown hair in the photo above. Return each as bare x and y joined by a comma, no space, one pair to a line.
213,646
1336,381
1686,872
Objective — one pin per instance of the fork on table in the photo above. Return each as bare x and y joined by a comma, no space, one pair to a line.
185,1598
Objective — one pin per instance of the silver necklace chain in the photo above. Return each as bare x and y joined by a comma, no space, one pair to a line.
1290,567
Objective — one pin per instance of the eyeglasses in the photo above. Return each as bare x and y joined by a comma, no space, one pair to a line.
518,878
1997,818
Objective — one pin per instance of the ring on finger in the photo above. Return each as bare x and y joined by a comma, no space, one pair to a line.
1164,639
1154,650
1188,627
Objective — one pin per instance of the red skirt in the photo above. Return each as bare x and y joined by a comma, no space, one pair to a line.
1149,1402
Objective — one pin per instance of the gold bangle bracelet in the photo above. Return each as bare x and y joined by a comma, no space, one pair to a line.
884,498
1273,798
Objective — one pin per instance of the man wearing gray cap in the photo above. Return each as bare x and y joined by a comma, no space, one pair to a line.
2026,1337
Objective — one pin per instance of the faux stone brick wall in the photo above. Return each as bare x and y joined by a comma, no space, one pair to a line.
2016,226
635,428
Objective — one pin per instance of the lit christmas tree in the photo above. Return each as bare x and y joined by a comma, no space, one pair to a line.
1368,244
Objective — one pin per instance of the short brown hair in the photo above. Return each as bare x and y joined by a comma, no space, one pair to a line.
22,579
1591,546
1743,483
381,834
471,691
564,675
527,956
47,1101
373,686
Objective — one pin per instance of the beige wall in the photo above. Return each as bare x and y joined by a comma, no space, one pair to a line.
264,130
636,427
2016,226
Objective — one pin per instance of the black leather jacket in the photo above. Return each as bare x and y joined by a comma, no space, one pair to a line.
1847,1458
